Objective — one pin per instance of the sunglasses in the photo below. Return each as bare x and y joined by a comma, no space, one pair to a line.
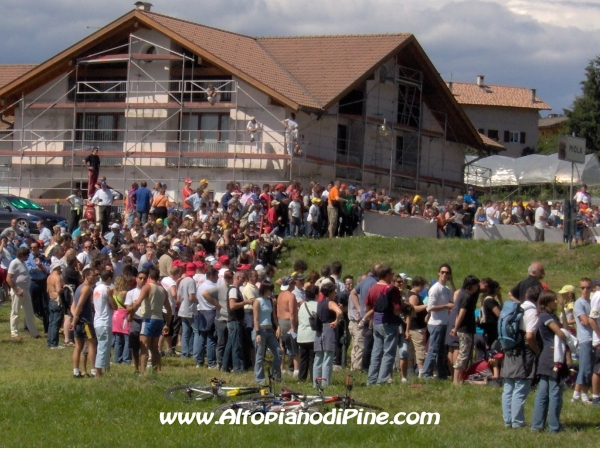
445,272
584,287
142,278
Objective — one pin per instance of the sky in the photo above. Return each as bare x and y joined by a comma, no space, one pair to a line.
537,44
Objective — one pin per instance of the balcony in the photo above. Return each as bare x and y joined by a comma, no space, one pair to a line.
199,147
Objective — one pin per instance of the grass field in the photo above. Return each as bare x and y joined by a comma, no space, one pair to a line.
43,406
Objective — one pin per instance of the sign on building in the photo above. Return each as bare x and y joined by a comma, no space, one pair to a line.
571,149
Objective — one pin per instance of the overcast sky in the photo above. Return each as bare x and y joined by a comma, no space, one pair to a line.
542,44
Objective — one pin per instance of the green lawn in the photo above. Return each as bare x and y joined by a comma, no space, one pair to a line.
45,406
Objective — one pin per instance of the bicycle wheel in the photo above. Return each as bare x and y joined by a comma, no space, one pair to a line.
251,405
189,393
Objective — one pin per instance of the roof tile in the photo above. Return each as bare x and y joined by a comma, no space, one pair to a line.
10,72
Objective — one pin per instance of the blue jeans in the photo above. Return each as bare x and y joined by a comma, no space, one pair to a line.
385,346
55,318
437,352
323,367
204,340
548,403
267,339
586,358
188,330
233,349
142,215
130,218
513,401
221,330
122,351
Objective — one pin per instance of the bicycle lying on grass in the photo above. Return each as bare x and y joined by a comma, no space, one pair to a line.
294,401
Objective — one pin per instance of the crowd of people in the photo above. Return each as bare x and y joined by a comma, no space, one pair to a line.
201,285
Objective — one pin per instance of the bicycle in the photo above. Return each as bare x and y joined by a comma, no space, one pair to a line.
295,402
217,389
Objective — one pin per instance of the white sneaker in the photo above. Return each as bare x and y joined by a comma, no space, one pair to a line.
575,399
390,380
404,380
296,373
337,367
283,372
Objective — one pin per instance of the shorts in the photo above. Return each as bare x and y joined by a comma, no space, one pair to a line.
465,348
3,273
152,327
289,343
586,356
403,352
134,335
85,331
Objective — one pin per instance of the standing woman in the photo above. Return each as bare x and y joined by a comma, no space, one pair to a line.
491,306
328,317
161,204
548,401
418,325
76,202
120,325
306,333
265,334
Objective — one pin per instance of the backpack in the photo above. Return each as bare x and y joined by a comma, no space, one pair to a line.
509,334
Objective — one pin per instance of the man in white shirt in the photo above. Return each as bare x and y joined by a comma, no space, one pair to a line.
104,305
19,281
187,301
493,215
595,317
583,196
541,220
44,233
103,199
291,132
254,128
207,312
438,306
136,323
169,284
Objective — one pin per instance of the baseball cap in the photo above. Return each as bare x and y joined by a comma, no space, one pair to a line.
224,259
286,281
568,288
115,226
471,188
147,265
159,221
203,181
405,277
279,186
595,282
244,267
56,265
176,249
190,269
217,266
188,180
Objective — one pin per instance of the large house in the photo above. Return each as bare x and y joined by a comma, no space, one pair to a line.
506,114
164,99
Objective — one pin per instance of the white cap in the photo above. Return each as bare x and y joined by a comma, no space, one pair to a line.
404,277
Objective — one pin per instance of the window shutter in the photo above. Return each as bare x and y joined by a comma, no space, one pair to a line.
506,135
522,140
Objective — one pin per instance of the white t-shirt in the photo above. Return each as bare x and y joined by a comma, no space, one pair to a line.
541,217
595,314
166,283
5,258
529,322
492,217
439,295
102,309
130,299
84,259
305,332
295,209
203,305
187,286
583,197
20,274
102,198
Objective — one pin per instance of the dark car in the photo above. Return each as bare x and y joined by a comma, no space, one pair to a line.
26,212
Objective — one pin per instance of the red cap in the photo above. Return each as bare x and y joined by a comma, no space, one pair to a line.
244,267
279,186
218,266
188,180
343,186
199,265
190,269
224,259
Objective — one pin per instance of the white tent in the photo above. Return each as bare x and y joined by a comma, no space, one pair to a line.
532,169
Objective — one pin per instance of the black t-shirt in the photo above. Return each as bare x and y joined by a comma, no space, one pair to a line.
467,216
528,213
71,276
93,161
520,289
234,315
342,298
469,303
418,321
546,359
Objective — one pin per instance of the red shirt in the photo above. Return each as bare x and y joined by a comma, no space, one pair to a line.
393,295
187,191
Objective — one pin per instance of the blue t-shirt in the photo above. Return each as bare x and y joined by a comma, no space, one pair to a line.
584,333
362,289
142,199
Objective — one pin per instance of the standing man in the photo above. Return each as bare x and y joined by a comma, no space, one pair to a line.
595,324
220,293
440,302
19,281
55,288
536,274
541,220
39,268
582,312
207,312
254,128
143,201
104,305
44,233
287,316
583,196
187,301
185,193
383,302
235,325
471,200
333,204
93,163
464,325
291,132
131,204
103,199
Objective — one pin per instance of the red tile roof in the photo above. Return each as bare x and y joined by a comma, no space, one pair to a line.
493,95
10,72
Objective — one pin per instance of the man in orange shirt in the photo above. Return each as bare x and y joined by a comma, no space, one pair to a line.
332,208
186,192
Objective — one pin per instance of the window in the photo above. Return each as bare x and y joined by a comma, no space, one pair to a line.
352,103
399,149
205,127
342,139
511,136
23,203
522,137
481,130
493,134
100,127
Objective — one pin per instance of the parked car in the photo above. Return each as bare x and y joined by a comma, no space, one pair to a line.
26,212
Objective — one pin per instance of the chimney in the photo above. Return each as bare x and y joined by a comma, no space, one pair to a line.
143,6
450,85
533,100
480,80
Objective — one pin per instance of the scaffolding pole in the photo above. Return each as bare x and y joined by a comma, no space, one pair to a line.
126,134
180,128
74,129
22,142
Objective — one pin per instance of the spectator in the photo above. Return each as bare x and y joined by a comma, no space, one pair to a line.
306,333
582,313
328,316
265,333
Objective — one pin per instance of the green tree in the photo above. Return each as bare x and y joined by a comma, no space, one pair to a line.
584,117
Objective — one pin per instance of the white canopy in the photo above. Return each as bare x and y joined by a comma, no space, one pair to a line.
533,169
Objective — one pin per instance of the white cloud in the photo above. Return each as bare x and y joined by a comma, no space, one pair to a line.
543,44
